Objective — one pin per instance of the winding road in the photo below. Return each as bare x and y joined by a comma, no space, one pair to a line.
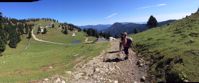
50,42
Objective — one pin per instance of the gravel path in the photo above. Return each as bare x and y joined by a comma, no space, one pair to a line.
116,70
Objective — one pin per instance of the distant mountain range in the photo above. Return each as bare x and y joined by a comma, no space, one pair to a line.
117,28
99,27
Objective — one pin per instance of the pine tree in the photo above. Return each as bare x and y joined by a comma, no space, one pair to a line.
26,28
136,30
38,30
1,17
84,30
30,32
14,37
29,35
116,36
45,31
107,35
20,29
65,31
2,38
53,25
152,22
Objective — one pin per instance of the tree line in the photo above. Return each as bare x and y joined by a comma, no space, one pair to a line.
151,23
37,19
10,31
68,27
95,33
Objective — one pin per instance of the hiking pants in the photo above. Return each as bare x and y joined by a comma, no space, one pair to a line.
126,50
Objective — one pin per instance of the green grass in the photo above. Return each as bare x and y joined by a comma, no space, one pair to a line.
22,65
56,35
19,65
179,40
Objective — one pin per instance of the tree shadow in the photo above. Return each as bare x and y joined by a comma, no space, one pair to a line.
114,51
117,59
114,60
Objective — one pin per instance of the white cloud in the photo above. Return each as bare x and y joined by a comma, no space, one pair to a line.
153,6
163,4
111,15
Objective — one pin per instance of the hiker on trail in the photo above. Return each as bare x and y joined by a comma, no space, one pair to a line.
125,43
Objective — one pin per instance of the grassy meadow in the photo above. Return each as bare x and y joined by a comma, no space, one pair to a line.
33,60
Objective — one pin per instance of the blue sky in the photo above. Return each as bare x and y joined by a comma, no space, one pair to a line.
84,12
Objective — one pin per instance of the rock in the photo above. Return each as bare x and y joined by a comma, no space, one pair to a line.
86,77
140,63
50,67
79,75
95,76
102,72
115,81
63,81
109,80
90,72
46,79
76,55
68,72
97,69
58,80
186,80
143,79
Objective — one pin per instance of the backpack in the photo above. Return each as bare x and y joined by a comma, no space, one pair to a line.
129,41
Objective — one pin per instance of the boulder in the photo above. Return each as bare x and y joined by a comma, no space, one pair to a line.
143,79
115,81
58,80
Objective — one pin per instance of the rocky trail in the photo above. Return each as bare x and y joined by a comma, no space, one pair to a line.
108,67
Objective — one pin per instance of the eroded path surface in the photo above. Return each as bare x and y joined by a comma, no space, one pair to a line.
107,68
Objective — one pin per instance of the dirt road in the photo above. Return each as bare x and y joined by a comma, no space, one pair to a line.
40,40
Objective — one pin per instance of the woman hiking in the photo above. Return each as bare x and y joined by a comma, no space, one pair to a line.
125,43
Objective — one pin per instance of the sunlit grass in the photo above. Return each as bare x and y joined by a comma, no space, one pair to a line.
180,38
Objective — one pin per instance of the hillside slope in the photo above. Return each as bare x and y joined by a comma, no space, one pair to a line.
33,60
172,50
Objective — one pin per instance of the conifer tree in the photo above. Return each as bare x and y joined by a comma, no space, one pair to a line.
152,22
2,36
